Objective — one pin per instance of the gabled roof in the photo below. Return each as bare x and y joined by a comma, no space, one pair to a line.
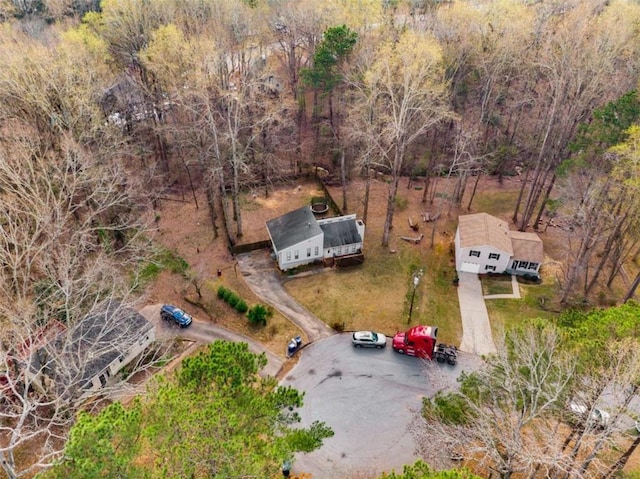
292,228
86,349
340,233
482,229
527,246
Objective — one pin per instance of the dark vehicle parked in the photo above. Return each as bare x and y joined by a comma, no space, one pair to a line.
175,314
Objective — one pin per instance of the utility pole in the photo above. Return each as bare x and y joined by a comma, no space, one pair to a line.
416,280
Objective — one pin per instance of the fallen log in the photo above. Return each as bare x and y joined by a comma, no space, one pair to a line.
429,218
412,225
412,240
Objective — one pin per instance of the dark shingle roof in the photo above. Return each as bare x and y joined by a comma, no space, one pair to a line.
86,349
102,337
340,233
292,228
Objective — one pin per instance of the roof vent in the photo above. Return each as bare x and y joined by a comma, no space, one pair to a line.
308,225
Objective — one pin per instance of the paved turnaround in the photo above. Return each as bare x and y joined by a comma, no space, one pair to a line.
371,398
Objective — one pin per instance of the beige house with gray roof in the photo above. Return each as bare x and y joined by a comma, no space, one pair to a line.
485,244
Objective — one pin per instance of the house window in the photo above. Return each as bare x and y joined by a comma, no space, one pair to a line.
523,265
533,266
308,252
474,253
295,255
339,251
490,267
353,248
494,256
288,255
316,251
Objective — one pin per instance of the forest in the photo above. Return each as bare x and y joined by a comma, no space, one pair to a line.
107,107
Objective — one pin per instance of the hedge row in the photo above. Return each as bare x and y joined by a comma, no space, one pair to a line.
233,300
258,314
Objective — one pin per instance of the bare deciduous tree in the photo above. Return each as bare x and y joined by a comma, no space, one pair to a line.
402,96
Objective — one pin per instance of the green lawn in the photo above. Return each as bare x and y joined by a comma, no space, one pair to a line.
377,294
536,302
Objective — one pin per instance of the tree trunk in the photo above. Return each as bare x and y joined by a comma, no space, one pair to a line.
587,242
473,193
8,465
607,249
428,173
426,188
391,198
225,210
514,218
343,170
537,184
544,202
632,289
237,214
367,188
622,461
193,190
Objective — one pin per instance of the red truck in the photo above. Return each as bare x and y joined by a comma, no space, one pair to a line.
418,341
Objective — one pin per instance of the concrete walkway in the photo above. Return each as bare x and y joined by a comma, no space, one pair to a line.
514,286
476,329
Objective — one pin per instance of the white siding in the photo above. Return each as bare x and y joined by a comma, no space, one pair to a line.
287,257
486,258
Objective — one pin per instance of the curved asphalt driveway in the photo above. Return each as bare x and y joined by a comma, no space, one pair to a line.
205,333
260,273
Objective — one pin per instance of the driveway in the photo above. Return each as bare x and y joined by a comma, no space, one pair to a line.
205,333
262,276
476,329
370,398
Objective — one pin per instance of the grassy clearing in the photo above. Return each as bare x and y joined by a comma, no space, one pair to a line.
536,302
377,294
496,284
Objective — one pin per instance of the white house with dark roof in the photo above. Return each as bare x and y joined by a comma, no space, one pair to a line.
79,361
485,244
299,238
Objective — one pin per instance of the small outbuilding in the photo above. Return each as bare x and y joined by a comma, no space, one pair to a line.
298,238
485,244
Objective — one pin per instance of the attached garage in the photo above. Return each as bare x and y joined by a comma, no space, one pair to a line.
485,244
470,268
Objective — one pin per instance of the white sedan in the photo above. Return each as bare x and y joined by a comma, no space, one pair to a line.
599,416
368,339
